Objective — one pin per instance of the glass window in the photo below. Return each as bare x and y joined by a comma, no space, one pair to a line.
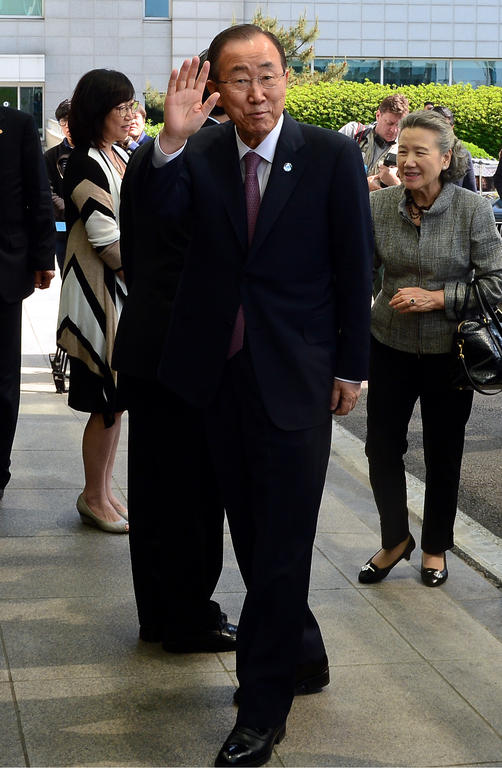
415,72
20,7
297,65
157,9
31,102
8,96
358,70
27,98
477,72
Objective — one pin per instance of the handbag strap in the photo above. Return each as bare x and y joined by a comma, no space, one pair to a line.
488,310
473,383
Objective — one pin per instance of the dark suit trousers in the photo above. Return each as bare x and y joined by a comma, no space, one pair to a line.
272,483
175,512
10,381
396,381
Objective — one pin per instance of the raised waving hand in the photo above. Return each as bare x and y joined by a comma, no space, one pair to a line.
184,112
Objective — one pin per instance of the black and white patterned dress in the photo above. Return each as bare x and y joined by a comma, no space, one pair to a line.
92,294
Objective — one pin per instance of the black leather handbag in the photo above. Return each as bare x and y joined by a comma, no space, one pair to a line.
477,345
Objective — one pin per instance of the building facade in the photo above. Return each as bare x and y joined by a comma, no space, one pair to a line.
46,45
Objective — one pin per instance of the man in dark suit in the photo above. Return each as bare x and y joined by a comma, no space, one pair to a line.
273,304
175,508
27,247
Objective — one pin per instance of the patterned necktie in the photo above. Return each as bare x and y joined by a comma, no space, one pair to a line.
252,190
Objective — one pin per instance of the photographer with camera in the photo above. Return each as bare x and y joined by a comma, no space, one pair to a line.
378,141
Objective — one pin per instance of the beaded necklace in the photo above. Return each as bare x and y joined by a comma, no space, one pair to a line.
414,209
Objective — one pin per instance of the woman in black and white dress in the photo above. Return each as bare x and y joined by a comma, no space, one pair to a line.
92,293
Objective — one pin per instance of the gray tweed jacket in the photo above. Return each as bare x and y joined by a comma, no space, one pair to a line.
457,240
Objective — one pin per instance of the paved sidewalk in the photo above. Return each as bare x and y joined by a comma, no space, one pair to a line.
416,672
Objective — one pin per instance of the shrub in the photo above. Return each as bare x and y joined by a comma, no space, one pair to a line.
152,129
331,105
476,151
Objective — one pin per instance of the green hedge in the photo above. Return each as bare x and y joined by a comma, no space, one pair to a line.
477,111
477,151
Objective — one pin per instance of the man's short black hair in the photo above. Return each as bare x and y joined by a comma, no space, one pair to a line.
215,110
445,112
240,32
63,110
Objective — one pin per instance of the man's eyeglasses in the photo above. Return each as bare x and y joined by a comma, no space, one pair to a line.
245,83
123,109
63,122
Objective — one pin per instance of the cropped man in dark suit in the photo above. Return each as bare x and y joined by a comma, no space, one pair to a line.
27,247
175,508
269,334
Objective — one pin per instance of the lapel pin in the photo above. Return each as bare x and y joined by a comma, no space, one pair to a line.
287,167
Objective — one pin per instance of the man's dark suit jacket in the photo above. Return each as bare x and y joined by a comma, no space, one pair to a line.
27,232
152,287
305,283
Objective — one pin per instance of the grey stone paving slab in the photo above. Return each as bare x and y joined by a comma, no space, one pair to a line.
4,675
464,583
11,749
120,468
84,638
90,563
348,552
479,681
488,612
59,431
336,517
39,404
180,721
387,715
434,624
47,469
230,579
39,513
324,574
354,633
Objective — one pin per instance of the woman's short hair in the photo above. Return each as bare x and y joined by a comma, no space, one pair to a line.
95,94
446,140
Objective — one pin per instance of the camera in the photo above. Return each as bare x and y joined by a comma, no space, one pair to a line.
391,160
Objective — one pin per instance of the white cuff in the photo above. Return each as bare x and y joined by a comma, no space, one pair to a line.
159,157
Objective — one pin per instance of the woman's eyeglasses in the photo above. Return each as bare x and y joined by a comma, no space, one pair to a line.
123,109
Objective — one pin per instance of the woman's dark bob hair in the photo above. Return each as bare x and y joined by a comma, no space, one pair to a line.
96,93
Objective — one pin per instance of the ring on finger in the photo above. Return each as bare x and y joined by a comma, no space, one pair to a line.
412,301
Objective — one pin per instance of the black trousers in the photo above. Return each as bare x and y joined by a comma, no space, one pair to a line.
10,381
175,512
272,482
396,380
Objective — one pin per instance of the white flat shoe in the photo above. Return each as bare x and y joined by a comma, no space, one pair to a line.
125,514
89,518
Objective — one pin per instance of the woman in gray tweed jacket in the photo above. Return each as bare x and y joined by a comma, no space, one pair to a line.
431,238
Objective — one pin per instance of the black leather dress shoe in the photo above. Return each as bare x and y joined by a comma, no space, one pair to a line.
250,746
432,577
217,640
220,638
371,573
310,678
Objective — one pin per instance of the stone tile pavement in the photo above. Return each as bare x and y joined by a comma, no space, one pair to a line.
416,673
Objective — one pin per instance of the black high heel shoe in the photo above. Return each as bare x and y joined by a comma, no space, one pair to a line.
371,573
432,577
